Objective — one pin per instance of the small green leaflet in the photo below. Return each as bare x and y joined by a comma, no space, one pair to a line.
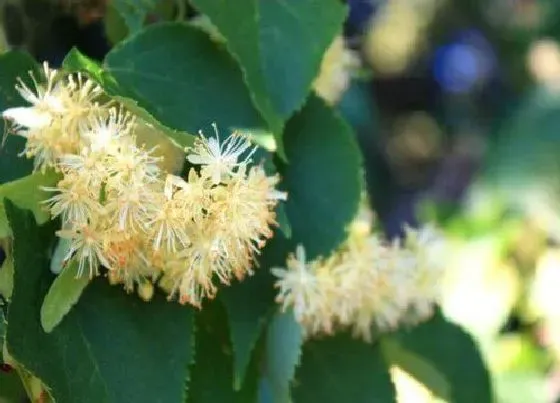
64,293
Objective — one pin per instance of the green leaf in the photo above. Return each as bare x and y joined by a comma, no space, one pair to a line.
13,65
279,45
324,178
212,373
283,222
77,62
444,358
359,109
11,388
124,17
249,392
115,26
134,12
64,293
12,165
265,394
183,78
60,251
7,277
2,331
415,365
284,340
248,304
26,193
203,23
112,347
342,369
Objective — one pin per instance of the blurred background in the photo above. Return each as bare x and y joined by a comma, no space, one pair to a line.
456,105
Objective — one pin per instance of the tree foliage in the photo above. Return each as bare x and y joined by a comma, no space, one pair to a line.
90,342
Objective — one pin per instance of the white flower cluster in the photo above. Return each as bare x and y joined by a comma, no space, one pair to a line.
120,210
366,284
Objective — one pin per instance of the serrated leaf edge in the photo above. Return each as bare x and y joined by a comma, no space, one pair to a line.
239,379
298,362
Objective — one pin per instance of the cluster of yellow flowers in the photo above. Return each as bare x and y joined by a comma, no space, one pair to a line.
368,285
120,210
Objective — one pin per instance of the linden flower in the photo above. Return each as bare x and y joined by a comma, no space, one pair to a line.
50,124
193,195
220,158
79,96
122,211
219,218
131,164
299,287
429,247
351,270
76,200
83,93
45,145
366,284
245,206
168,224
45,101
87,245
127,262
89,166
389,285
129,206
326,316
104,133
177,280
190,274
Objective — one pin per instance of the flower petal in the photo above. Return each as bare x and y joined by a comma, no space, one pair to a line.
27,117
